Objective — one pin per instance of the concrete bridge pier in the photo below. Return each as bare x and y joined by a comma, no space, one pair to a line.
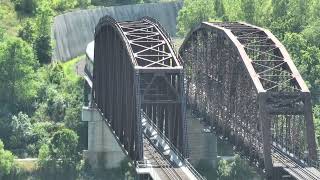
202,145
103,149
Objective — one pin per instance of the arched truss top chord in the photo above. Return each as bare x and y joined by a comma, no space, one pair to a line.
265,58
147,42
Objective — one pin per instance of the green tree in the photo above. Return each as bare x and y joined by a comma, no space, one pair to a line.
295,43
314,10
84,3
55,73
219,9
17,68
61,153
115,2
28,31
72,118
288,16
280,8
309,67
6,161
297,15
263,12
232,9
56,104
240,170
62,5
43,44
194,12
279,25
1,14
74,98
45,162
224,169
26,6
248,9
235,169
306,58
1,29
42,131
21,131
312,33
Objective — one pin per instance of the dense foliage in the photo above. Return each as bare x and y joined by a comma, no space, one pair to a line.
6,161
235,169
30,7
40,104
123,2
42,42
17,68
114,2
194,12
60,155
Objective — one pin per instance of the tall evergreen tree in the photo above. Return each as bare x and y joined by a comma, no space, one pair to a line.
248,9
219,9
43,44
280,8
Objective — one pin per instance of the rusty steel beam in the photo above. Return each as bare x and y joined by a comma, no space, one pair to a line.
136,68
243,79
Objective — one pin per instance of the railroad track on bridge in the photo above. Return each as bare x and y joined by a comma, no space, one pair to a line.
160,161
294,167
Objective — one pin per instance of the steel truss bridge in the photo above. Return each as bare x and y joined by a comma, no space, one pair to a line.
240,77
243,79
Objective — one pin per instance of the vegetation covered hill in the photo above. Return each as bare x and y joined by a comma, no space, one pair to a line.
41,100
40,112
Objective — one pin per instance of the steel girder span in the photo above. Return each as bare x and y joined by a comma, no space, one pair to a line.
136,69
244,80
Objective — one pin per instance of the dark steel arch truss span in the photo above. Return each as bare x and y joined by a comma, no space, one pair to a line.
243,79
136,69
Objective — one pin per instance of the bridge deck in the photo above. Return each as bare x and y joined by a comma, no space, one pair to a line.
160,158
296,170
161,166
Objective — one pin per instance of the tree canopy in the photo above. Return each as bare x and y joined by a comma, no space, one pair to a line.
6,161
61,152
17,69
194,12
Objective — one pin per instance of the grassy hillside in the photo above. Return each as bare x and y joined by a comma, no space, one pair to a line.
69,68
10,19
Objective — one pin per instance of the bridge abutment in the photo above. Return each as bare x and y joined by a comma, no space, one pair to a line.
103,149
202,143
